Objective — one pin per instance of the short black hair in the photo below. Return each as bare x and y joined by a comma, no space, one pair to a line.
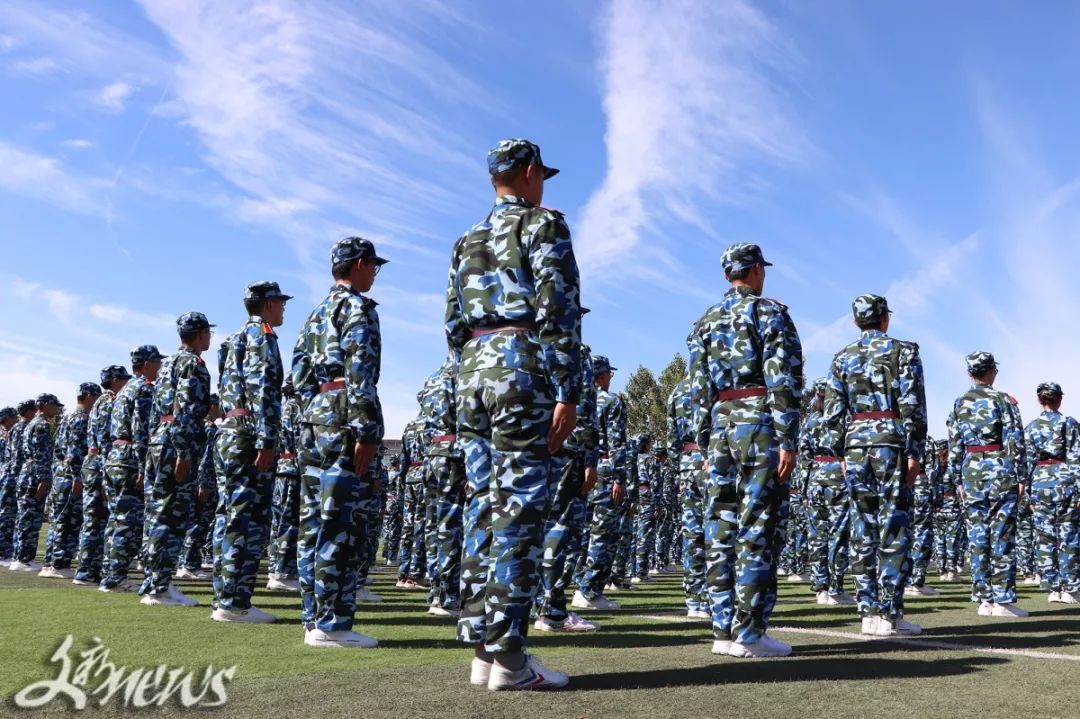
738,274
342,269
984,374
877,324
508,177
188,337
1049,397
253,306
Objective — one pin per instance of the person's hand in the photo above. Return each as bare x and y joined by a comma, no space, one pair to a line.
183,466
76,488
590,481
617,493
265,459
787,465
42,490
139,485
562,424
914,469
204,495
362,456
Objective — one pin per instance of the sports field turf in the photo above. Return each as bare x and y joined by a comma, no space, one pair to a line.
646,661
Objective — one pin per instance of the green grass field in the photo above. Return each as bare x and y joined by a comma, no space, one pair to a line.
646,660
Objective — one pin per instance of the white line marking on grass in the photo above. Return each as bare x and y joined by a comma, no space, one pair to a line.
917,641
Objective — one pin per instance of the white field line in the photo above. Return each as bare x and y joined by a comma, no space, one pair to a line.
920,642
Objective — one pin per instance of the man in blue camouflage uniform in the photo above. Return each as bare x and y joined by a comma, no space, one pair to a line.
1026,541
9,483
829,506
948,515
875,414
986,453
65,521
668,530
793,558
650,501
8,418
335,369
682,443
285,527
394,509
181,403
368,542
608,496
576,463
411,556
35,479
250,375
197,549
922,524
95,507
513,318
1053,458
745,375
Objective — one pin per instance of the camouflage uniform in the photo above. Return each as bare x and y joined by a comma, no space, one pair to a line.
875,411
513,319
745,375
948,515
922,522
335,371
129,430
1053,458
668,548
682,443
181,402
650,502
794,556
10,480
37,453
250,375
394,509
7,485
986,452
285,528
198,545
66,519
412,516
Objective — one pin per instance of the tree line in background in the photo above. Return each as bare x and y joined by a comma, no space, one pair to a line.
647,397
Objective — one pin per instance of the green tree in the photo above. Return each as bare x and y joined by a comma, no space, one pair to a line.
672,374
645,410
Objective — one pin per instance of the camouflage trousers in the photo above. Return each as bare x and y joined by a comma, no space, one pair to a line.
412,532
430,565
990,498
95,517
392,532
667,544
692,483
604,534
744,509
123,532
794,556
30,515
645,521
625,549
829,509
922,533
880,528
333,525
242,524
367,542
8,511
284,526
559,533
167,511
1025,539
1057,528
198,545
449,502
65,519
503,417
947,527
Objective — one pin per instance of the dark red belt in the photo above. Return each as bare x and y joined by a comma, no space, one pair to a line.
726,395
1048,462
332,385
238,413
444,438
886,414
414,465
603,456
949,495
826,458
508,327
167,418
94,451
983,448
690,447
121,442
287,455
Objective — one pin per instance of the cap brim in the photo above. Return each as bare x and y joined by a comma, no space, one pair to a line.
378,260
766,263
550,172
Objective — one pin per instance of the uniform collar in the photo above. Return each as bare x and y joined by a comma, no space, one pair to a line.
512,200
873,333
977,385
742,290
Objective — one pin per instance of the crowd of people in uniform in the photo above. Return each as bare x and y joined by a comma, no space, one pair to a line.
517,497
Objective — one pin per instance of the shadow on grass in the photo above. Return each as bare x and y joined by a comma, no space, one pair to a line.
791,669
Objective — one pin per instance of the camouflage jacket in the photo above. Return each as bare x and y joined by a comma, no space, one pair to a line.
249,378
3,453
680,419
341,339
440,411
984,416
814,441
585,436
289,439
746,341
517,267
1053,435
611,419
37,443
98,439
650,485
129,419
16,455
878,374
74,441
412,451
207,469
182,391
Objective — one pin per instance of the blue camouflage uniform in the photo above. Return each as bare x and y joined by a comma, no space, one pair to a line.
948,512
65,522
650,501
682,443
413,548
7,484
37,456
9,480
285,528
198,547
922,517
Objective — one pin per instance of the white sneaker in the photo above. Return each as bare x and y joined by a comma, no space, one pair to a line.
924,591
609,587
843,599
185,573
572,624
764,647
17,566
721,646
797,578
161,600
781,572
636,580
84,583
207,566
242,616
1008,610
341,639
601,602
1054,598
533,675
437,611
1031,580
124,586
283,585
53,573
481,672
654,572
823,597
1070,597
870,626
698,614
986,609
363,594
888,628
184,599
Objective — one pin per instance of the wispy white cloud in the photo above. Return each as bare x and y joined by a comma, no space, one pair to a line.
35,66
46,179
8,43
67,306
114,96
78,143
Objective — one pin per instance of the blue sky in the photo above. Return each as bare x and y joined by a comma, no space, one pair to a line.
156,157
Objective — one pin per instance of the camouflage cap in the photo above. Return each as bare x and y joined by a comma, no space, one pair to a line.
46,398
89,389
979,362
820,384
215,400
355,248
1049,388
869,308
25,406
941,444
265,290
515,152
114,371
742,256
6,412
145,353
602,364
192,322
